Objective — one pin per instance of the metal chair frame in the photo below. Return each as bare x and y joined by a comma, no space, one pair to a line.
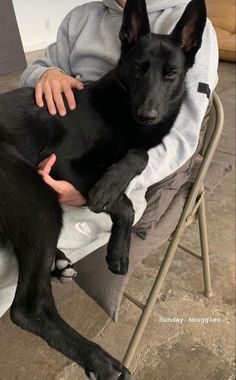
194,206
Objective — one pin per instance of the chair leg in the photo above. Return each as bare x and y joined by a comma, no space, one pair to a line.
204,248
155,292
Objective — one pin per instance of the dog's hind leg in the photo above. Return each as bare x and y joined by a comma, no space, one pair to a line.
34,310
30,219
122,215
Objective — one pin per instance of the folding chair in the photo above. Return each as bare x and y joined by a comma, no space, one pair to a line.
194,207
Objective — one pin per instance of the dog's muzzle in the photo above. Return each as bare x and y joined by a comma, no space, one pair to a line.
148,117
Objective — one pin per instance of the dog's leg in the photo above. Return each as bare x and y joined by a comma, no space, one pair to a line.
34,310
30,219
112,184
122,215
62,268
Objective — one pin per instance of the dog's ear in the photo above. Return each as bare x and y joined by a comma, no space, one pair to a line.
135,23
189,29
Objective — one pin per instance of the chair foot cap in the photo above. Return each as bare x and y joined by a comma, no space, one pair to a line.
208,294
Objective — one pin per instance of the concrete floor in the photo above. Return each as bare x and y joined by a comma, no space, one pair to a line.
169,350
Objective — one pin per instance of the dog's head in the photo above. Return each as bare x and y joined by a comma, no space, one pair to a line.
152,66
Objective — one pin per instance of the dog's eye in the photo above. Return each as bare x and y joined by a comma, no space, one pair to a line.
137,67
170,74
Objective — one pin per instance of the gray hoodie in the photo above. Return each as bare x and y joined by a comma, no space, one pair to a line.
88,46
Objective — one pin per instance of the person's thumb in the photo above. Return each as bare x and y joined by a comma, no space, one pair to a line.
56,185
47,164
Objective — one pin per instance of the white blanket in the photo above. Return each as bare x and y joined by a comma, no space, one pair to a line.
83,232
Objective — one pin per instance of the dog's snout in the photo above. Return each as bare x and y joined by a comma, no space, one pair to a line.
147,117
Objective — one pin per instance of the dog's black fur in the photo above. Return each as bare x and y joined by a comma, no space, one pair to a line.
100,147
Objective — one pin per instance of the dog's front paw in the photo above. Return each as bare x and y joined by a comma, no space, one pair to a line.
118,265
103,194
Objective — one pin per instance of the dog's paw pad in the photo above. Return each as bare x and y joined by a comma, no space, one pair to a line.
69,272
116,376
62,264
65,280
92,376
63,271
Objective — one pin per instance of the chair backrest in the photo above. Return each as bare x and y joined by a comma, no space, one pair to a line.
212,135
210,143
210,128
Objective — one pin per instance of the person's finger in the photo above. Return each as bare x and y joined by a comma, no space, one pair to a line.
77,84
39,95
47,164
49,100
66,88
50,181
57,97
42,164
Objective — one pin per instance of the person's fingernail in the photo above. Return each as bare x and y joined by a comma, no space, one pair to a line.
72,106
52,112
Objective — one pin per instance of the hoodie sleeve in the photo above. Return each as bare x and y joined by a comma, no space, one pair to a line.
57,55
181,143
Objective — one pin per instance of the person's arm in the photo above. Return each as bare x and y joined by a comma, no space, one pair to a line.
181,143
51,76
57,55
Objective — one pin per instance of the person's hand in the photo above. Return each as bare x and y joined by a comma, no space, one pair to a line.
51,85
68,194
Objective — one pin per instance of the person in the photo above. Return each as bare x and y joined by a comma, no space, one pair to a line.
86,48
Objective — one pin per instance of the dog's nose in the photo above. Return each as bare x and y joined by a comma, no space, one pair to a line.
147,117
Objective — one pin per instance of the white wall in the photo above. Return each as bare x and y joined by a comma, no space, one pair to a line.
38,21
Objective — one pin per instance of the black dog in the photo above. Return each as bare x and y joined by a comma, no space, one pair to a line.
100,147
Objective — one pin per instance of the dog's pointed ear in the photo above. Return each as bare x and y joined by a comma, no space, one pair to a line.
135,22
189,29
